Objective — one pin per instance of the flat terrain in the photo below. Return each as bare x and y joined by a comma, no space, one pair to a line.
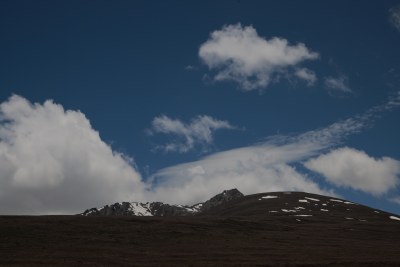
269,229
196,241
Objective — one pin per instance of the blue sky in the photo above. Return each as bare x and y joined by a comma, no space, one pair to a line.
178,101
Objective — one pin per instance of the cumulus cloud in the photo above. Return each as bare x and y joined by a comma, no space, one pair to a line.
306,75
351,168
52,161
394,16
239,54
337,84
199,132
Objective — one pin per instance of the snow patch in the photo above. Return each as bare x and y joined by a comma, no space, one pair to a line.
324,210
303,215
394,218
336,200
192,209
140,209
285,210
310,198
91,211
303,200
269,197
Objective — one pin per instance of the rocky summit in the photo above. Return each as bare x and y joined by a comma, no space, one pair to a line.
163,209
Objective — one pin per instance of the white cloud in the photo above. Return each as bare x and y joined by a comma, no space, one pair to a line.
52,161
351,168
250,169
306,75
199,132
263,167
239,54
394,16
337,84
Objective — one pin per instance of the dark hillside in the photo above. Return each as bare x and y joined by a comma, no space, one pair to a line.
270,229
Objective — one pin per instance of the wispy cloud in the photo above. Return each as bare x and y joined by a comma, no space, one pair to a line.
306,75
240,55
337,84
395,200
351,168
394,16
187,136
190,68
268,166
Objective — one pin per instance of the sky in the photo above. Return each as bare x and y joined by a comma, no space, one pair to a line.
108,101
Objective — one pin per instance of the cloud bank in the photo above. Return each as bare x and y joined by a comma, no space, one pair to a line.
250,169
199,132
269,166
51,161
351,168
240,55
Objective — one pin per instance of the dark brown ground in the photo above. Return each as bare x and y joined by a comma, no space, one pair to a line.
325,239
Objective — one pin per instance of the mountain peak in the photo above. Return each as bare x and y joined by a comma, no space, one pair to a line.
222,198
299,206
163,209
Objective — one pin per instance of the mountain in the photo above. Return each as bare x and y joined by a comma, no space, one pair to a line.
162,209
297,205
230,229
300,206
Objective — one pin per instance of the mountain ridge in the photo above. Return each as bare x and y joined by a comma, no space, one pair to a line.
163,209
299,205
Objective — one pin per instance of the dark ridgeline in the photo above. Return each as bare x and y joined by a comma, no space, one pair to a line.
230,229
233,203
